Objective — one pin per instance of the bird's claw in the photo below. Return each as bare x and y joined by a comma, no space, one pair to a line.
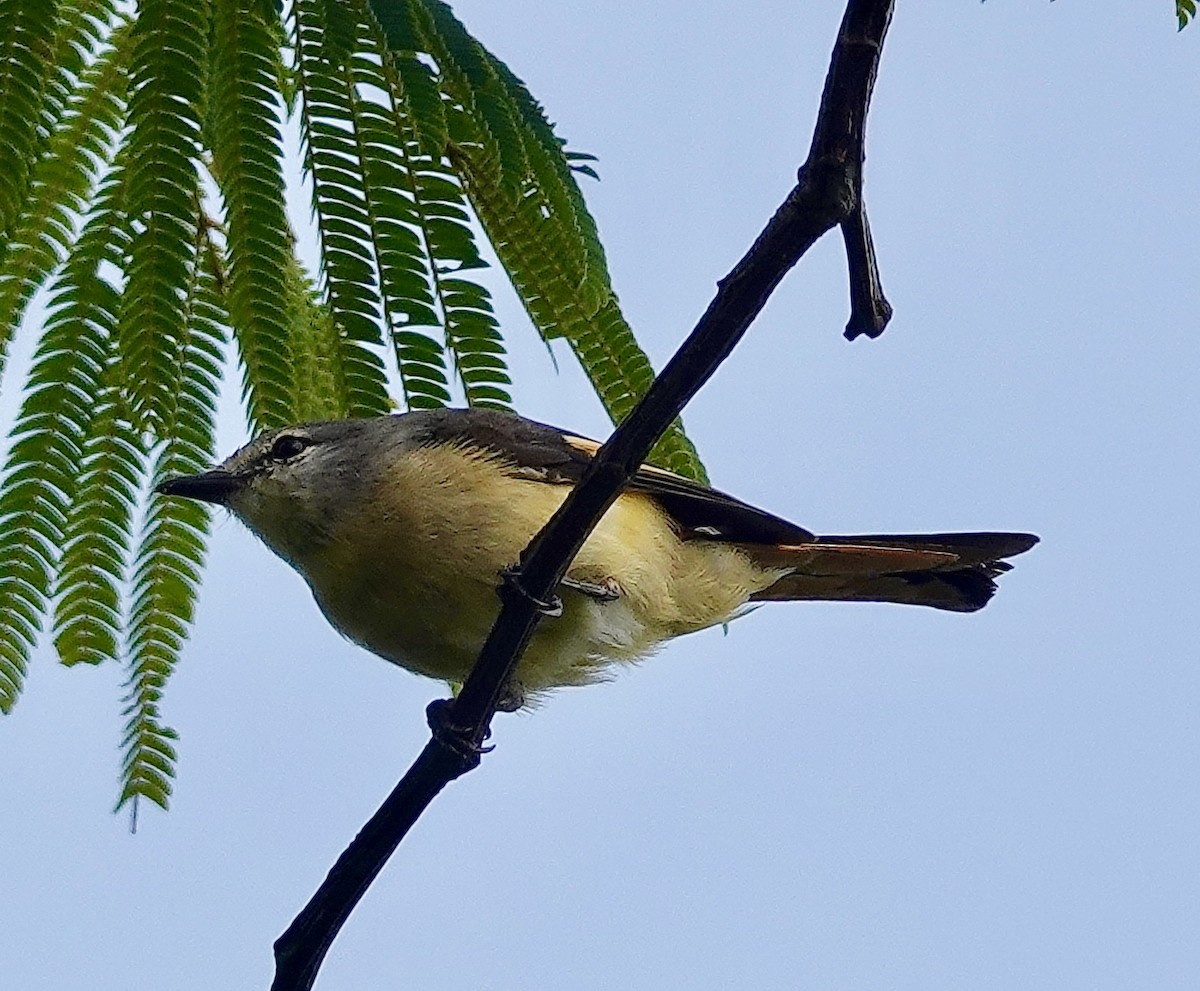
550,608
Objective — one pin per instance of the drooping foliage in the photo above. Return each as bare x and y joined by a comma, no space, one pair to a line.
142,192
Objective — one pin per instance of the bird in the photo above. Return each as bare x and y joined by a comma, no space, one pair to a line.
404,526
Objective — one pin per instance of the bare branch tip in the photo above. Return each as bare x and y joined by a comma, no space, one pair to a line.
871,323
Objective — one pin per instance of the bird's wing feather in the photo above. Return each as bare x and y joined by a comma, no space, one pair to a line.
547,454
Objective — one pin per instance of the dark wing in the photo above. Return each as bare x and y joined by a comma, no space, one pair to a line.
547,454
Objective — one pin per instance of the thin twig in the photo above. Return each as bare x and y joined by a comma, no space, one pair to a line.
826,195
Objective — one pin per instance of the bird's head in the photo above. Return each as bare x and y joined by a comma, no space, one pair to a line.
295,486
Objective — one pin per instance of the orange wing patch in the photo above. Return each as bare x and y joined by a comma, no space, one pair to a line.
582,444
589,447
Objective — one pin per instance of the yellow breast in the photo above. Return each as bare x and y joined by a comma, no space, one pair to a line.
427,548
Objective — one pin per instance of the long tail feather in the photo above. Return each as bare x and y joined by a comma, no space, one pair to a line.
952,571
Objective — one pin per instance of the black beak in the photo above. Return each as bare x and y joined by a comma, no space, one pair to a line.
209,486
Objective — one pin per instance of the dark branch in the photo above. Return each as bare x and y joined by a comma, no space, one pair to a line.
300,951
827,194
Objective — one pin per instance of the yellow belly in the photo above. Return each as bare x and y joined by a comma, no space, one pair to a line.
424,588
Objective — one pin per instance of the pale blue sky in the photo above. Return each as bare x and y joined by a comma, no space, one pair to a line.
830,796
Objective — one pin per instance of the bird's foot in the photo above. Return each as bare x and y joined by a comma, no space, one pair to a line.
459,740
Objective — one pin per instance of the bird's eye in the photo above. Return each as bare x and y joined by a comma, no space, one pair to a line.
288,446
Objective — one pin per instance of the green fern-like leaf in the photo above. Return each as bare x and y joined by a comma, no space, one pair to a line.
42,472
27,34
417,98
394,205
1185,11
339,201
83,29
165,86
243,102
166,572
170,553
467,74
383,216
405,269
396,35
319,381
552,175
475,342
87,595
436,212
515,147
79,29
63,181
